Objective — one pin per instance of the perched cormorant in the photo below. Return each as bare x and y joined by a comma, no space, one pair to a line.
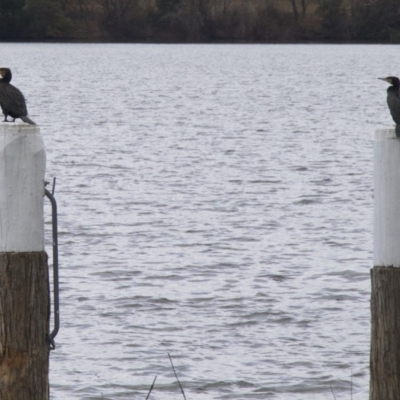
12,101
393,97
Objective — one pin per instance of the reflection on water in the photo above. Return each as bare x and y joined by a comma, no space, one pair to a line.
215,203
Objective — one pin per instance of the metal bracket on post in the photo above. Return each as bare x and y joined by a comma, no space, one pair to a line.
56,304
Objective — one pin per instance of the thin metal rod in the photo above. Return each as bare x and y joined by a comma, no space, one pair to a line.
176,376
333,392
54,186
151,387
56,289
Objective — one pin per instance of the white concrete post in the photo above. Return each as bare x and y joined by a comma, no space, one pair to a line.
22,171
386,199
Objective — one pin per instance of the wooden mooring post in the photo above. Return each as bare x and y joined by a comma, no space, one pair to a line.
24,281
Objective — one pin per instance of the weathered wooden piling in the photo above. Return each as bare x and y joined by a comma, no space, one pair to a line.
24,281
385,275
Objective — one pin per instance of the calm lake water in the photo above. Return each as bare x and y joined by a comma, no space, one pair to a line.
215,203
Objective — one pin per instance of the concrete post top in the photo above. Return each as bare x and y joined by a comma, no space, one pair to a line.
386,198
13,128
22,170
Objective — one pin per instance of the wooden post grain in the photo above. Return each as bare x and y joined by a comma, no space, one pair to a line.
385,275
385,333
24,281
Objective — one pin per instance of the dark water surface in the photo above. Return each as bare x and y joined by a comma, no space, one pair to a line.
215,202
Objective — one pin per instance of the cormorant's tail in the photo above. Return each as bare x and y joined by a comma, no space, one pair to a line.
27,120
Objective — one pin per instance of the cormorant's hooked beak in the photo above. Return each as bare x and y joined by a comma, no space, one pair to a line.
386,80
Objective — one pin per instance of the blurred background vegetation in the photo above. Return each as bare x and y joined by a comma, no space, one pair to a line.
277,21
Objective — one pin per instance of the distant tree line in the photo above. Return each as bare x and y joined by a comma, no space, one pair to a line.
201,20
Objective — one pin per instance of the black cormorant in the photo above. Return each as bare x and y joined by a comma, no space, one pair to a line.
12,101
393,97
